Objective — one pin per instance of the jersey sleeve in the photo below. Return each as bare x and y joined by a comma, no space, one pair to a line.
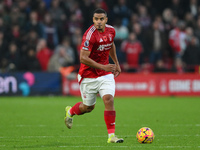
114,32
87,44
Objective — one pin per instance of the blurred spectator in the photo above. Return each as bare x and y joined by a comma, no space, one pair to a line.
41,10
156,42
178,66
133,50
167,19
43,54
75,37
197,29
177,39
73,24
192,53
30,40
189,20
122,12
66,44
76,42
3,45
137,29
150,8
87,8
121,31
56,12
34,24
133,20
3,28
30,62
193,8
78,46
25,21
144,18
59,60
189,34
49,31
121,34
4,65
24,7
15,34
101,4
58,17
161,25
47,3
177,9
15,17
160,67
13,57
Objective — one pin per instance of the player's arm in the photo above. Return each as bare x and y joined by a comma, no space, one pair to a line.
113,55
85,59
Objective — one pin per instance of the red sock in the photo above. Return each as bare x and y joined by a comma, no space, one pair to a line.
75,109
109,117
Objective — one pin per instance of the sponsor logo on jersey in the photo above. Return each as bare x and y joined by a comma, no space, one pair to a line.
104,47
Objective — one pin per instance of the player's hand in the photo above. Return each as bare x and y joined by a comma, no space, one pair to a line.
110,68
117,71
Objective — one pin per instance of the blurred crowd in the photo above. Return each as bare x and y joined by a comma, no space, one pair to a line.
151,35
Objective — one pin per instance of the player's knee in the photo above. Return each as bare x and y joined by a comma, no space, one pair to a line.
108,100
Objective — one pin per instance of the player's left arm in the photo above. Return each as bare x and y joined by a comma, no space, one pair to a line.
113,55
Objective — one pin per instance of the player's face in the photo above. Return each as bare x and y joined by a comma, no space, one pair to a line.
100,21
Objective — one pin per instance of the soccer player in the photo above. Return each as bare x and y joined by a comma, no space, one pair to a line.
96,75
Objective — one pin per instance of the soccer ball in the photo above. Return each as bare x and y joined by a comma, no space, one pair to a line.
145,135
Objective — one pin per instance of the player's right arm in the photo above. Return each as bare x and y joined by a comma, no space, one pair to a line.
85,59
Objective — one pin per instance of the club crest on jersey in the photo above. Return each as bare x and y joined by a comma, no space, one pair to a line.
105,38
86,44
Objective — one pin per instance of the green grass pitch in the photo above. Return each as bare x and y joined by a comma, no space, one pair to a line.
38,123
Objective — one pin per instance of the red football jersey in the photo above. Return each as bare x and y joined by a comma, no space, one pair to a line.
99,43
133,51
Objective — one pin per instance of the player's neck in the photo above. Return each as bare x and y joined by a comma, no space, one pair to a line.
101,30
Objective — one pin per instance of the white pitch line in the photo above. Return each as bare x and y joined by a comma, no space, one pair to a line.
24,125
37,136
155,147
97,136
127,125
186,125
179,135
94,146
103,125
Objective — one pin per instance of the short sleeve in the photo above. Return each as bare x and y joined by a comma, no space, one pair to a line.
87,44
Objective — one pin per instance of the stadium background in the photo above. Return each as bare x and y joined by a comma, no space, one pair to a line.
33,61
157,45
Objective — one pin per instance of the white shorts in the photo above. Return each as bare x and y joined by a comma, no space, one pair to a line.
89,88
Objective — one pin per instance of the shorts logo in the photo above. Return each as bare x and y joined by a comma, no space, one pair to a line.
86,44
84,95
